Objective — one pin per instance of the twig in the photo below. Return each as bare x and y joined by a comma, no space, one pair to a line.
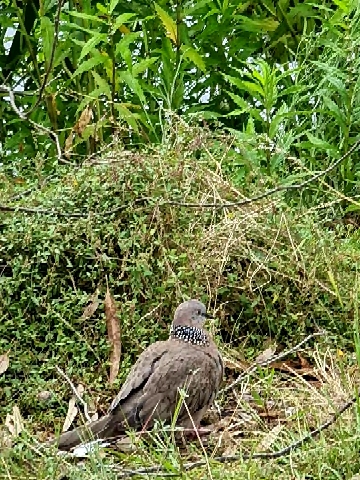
59,213
52,55
273,358
73,388
37,126
280,188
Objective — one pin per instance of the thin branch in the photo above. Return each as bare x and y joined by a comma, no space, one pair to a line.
52,55
280,188
247,201
59,213
269,361
37,126
73,388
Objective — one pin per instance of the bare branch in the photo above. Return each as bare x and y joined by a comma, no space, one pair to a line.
269,361
280,188
37,126
73,388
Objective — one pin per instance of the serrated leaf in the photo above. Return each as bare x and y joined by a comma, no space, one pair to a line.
89,64
86,16
143,65
168,22
104,87
318,142
133,84
123,49
47,35
128,116
121,19
194,56
240,102
91,44
254,88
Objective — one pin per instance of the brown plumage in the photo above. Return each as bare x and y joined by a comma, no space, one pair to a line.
188,360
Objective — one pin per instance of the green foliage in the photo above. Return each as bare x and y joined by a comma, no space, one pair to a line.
275,276
130,61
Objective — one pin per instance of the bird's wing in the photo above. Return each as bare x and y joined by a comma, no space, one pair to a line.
140,373
152,388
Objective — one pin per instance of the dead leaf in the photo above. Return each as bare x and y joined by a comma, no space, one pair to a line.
269,438
84,120
72,408
114,335
68,144
14,422
231,446
303,362
295,367
265,356
90,309
71,414
4,363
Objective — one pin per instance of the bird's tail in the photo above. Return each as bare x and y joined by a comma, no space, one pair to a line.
86,433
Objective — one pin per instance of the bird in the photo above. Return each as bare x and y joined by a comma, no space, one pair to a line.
187,363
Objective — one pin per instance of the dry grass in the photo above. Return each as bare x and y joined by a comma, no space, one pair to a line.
267,412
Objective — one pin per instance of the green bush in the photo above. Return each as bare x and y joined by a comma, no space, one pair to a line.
268,272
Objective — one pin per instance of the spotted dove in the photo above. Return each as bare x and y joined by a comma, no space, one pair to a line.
188,360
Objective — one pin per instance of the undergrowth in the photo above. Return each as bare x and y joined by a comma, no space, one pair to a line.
268,272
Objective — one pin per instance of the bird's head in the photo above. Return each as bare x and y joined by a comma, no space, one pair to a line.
191,313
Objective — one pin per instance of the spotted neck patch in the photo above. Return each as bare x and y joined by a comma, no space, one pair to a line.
192,335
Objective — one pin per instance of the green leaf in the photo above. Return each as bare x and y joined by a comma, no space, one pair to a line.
317,142
86,16
277,119
123,49
128,116
194,56
257,26
168,22
102,84
253,88
336,112
102,9
121,19
133,84
91,44
354,207
89,64
113,5
240,102
143,65
48,37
